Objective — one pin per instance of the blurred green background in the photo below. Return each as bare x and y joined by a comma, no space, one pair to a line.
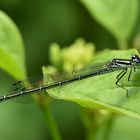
42,23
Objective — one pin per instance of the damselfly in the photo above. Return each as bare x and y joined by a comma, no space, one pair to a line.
25,87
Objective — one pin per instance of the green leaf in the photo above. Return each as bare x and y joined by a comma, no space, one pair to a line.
118,17
125,128
11,48
101,91
121,128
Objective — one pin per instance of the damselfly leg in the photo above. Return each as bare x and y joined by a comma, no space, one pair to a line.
119,77
133,68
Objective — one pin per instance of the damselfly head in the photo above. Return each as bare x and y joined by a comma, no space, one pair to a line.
135,59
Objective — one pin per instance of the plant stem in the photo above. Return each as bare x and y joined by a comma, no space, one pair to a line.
88,117
97,124
108,126
51,124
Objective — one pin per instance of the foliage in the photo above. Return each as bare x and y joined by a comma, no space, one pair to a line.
112,14
11,48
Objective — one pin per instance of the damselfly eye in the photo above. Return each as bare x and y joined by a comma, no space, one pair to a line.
135,58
